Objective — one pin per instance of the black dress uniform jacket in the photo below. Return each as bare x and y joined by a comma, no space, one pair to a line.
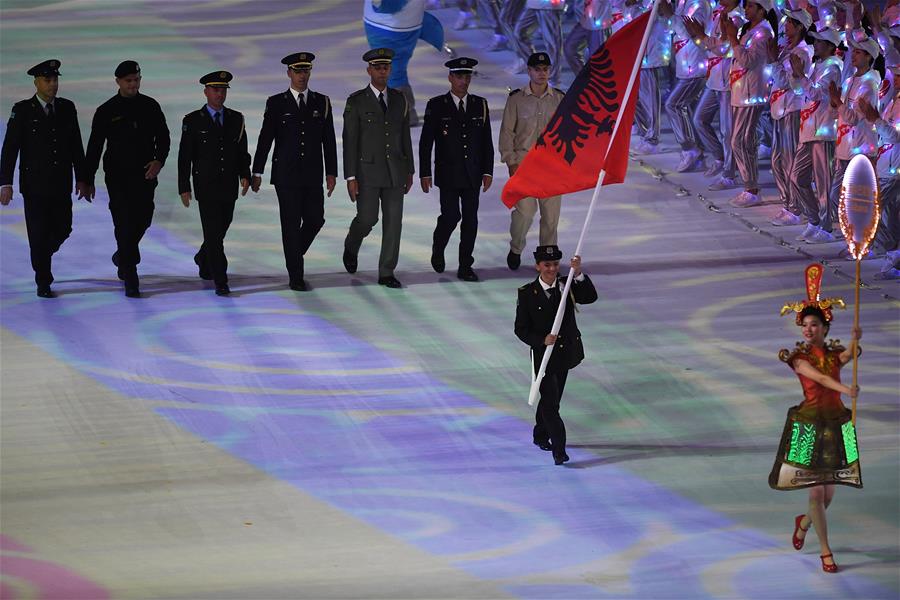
534,319
48,148
135,133
304,140
216,156
464,150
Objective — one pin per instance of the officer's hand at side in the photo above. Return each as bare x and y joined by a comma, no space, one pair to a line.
550,339
186,199
257,181
6,195
409,182
153,168
486,181
426,184
92,191
512,169
245,185
352,189
83,190
330,182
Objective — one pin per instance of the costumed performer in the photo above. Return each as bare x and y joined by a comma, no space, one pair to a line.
818,448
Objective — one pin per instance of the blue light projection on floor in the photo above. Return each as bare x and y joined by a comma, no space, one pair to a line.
342,420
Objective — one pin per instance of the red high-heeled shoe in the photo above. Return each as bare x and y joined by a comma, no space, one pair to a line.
832,568
798,542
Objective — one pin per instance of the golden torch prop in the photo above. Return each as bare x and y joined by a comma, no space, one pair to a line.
859,211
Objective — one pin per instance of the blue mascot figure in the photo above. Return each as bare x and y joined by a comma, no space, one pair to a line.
399,25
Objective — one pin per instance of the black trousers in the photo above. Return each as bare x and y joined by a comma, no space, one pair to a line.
216,213
48,221
458,204
302,212
131,206
548,424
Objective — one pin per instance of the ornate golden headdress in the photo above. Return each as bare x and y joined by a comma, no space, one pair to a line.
813,286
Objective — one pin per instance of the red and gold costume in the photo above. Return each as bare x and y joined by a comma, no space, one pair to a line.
818,445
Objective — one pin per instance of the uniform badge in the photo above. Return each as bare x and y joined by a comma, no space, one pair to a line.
315,113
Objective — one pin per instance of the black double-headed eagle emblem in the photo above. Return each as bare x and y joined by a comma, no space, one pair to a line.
586,110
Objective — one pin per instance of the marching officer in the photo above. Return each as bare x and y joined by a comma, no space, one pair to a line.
527,112
43,133
214,149
378,164
535,311
301,123
458,125
133,128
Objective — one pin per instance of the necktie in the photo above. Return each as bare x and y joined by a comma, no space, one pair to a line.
218,119
51,112
382,102
462,108
301,101
555,295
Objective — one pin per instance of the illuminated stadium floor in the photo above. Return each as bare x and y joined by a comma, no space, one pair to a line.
360,442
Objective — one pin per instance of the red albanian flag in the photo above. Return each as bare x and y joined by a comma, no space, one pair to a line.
575,146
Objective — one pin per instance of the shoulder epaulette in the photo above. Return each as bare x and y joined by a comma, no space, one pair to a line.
524,288
515,91
357,93
563,92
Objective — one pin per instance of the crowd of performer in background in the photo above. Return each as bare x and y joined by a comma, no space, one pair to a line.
811,85
805,84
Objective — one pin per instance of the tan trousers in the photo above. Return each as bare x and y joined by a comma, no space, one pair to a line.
523,215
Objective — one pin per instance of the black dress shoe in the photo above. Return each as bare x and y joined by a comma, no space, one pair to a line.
437,261
299,286
391,282
132,291
467,274
223,290
560,458
202,269
44,291
543,445
350,261
513,260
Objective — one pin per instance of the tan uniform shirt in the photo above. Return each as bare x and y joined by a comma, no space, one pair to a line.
524,118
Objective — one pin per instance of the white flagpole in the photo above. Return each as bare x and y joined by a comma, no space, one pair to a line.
557,322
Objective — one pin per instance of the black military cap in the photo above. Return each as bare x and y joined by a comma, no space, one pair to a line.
539,58
126,68
299,61
218,79
547,253
48,68
379,56
461,65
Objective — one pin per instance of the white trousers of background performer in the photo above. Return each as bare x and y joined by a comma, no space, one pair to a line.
744,142
812,163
